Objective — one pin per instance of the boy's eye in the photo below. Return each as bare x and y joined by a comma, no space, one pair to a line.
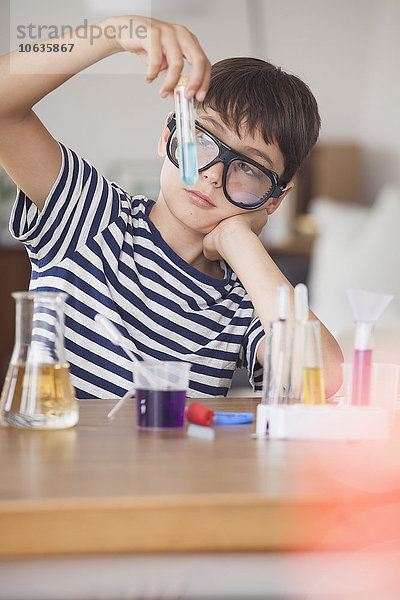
247,170
203,140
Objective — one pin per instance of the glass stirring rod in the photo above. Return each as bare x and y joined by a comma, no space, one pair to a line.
185,127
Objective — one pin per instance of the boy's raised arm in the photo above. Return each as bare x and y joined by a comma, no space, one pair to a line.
28,152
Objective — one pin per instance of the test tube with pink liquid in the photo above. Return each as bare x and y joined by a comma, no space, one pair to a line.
367,307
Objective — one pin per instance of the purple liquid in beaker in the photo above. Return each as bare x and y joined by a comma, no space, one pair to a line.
160,409
361,377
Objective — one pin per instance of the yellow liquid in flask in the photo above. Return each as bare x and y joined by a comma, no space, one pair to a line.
39,397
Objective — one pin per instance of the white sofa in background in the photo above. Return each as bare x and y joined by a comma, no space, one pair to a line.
357,247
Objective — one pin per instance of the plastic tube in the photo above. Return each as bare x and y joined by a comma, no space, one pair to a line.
363,350
185,126
367,307
294,384
267,374
313,378
279,333
275,349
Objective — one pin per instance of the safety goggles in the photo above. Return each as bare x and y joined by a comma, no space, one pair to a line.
245,182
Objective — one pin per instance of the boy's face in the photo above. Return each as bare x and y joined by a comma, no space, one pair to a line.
203,214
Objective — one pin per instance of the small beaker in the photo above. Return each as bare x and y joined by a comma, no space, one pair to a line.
161,393
37,392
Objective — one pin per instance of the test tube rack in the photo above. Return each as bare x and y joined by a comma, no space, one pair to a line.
325,422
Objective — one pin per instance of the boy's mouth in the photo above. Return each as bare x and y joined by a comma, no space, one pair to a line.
199,199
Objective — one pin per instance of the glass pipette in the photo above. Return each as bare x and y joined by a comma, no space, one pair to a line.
279,332
116,338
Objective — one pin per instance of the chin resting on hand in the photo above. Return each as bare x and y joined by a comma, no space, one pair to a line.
252,221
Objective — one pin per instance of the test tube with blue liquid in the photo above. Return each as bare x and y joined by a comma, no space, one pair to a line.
185,126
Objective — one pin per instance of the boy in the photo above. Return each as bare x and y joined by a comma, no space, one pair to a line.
185,277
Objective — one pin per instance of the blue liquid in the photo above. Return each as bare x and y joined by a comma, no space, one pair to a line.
187,156
361,377
160,409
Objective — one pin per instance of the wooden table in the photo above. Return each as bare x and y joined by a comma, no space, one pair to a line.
105,487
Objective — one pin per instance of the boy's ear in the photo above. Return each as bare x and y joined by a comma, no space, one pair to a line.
274,203
162,143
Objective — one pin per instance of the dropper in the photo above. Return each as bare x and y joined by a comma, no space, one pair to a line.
301,303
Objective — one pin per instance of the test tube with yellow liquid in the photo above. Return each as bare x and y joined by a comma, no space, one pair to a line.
313,377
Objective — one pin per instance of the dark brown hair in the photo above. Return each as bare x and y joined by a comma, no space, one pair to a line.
256,95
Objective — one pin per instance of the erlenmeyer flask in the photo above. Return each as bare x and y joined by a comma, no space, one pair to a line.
37,392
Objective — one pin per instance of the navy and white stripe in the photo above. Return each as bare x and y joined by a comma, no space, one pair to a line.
97,243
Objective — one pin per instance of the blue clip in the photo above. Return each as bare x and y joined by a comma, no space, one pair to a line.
232,418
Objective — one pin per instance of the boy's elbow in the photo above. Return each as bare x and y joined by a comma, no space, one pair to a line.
333,375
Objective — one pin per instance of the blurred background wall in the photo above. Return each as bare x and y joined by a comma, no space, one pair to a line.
347,51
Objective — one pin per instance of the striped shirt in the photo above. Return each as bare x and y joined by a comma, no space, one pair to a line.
97,243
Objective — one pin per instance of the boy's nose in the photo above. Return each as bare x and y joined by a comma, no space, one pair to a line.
214,174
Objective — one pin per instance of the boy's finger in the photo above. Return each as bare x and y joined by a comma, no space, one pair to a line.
200,67
175,66
198,70
174,59
163,74
202,91
155,55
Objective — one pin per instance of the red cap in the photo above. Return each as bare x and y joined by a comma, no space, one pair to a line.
200,414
